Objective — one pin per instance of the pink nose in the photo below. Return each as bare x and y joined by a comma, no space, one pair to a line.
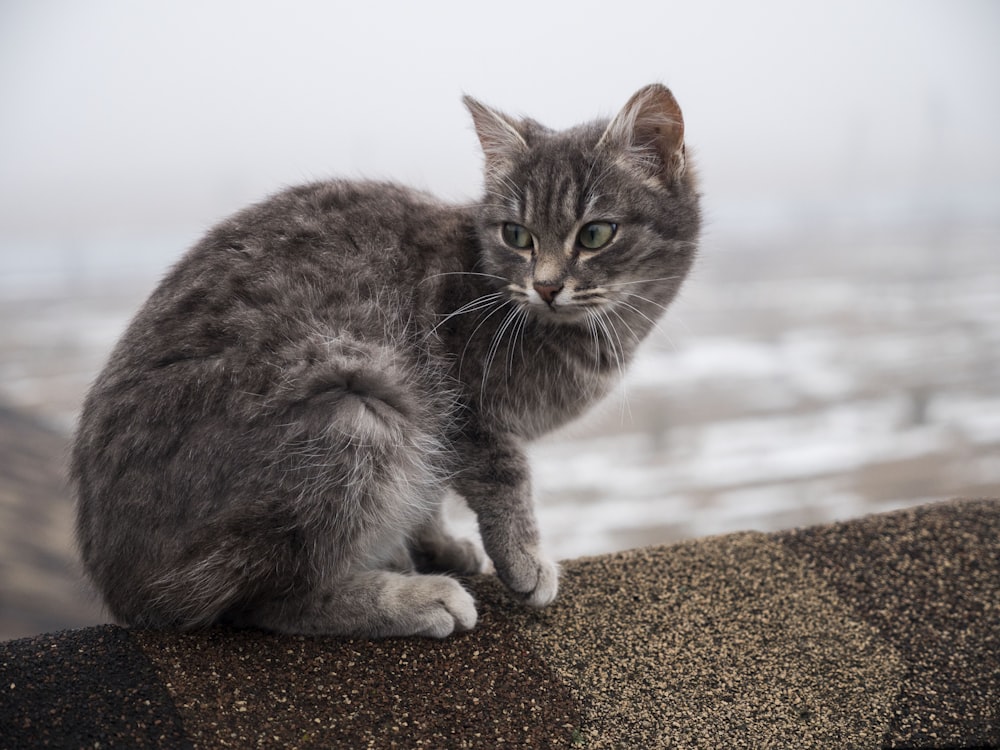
548,292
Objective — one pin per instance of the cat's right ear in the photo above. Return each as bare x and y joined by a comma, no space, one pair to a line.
498,134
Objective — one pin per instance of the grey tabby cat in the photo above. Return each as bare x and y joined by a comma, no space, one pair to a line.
271,440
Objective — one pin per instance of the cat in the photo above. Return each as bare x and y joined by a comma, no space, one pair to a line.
270,441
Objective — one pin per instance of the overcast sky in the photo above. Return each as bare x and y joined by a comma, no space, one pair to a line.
148,116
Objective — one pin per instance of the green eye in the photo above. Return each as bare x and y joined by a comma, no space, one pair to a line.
596,235
516,236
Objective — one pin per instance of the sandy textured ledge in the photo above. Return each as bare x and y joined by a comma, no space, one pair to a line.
880,632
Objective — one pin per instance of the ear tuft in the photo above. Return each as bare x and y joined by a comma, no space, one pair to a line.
499,134
650,129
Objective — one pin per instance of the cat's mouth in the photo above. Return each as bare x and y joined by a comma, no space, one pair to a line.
559,303
561,313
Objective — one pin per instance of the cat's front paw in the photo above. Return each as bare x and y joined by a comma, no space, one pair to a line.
532,576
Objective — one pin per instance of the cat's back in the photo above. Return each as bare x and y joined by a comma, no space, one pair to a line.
337,234
347,253
262,314
266,297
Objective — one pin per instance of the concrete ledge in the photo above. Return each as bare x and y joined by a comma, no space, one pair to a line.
881,632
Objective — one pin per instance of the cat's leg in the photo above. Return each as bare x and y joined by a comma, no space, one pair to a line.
294,581
360,468
327,480
370,604
435,550
496,483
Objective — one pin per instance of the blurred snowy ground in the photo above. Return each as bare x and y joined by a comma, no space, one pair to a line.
796,381
794,384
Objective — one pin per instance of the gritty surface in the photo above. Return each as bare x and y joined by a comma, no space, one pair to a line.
880,632
477,690
730,640
85,688
904,581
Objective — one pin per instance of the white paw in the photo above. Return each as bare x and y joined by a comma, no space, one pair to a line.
534,577
547,585
442,607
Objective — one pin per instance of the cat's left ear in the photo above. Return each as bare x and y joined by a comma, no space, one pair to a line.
650,129
498,133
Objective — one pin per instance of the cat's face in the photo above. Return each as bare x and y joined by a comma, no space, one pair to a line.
588,221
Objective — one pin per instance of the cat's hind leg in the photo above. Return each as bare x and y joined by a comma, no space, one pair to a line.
371,604
361,470
435,550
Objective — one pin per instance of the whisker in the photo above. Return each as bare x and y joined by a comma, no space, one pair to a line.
619,355
639,312
477,304
461,273
635,337
641,281
494,348
647,300
592,325
602,324
517,337
499,306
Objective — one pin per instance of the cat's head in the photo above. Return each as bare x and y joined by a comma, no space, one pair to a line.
597,218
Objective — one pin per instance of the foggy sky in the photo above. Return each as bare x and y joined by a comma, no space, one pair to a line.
123,116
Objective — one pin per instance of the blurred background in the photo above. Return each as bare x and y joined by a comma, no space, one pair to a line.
836,352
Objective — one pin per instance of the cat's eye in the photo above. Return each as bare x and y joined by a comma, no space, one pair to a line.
516,236
596,235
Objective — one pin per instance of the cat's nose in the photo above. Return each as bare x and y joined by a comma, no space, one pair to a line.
547,292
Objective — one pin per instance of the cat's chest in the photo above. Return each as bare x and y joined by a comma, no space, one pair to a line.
535,411
531,388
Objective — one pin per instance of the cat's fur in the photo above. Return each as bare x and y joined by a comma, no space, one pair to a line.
271,439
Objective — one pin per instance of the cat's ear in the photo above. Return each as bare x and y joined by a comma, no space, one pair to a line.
498,133
650,130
